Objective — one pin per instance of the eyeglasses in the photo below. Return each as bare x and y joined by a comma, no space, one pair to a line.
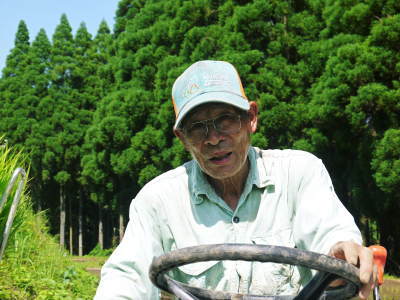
223,124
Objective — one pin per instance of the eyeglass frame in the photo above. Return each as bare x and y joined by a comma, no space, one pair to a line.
238,115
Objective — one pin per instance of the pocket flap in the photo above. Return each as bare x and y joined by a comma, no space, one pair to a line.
279,238
198,268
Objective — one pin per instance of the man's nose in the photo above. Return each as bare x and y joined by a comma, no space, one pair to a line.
213,137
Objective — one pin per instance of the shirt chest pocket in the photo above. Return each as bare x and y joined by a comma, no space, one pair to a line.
201,274
275,278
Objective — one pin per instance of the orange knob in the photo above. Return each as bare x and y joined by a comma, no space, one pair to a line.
380,255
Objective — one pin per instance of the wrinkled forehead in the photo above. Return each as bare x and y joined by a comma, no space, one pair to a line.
209,111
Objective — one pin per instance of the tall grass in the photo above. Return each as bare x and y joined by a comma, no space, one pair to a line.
9,161
34,266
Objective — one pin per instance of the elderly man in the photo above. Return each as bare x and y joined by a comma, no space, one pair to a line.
231,192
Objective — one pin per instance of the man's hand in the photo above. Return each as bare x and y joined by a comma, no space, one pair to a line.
361,257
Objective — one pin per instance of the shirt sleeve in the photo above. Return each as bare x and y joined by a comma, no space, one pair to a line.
320,219
125,274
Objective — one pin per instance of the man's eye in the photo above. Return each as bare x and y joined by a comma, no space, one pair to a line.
226,120
195,127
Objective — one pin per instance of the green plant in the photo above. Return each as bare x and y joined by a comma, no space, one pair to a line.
9,161
97,251
34,266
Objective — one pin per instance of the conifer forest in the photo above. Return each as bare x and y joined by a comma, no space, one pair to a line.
95,116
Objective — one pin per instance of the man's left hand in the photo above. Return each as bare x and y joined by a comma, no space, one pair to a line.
361,257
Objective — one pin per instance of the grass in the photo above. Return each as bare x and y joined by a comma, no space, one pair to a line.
34,266
390,290
89,261
9,161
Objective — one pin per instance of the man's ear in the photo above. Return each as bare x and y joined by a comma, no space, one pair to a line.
253,113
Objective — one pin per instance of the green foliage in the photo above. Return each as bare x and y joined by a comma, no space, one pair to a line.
97,251
10,160
16,60
34,267
95,113
386,33
386,162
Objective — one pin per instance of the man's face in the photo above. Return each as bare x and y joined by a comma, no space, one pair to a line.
220,155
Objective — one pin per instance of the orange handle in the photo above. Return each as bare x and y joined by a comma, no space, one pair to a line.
380,255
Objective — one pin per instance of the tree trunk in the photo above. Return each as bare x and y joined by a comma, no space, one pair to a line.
121,224
39,205
71,231
80,225
367,233
62,216
101,231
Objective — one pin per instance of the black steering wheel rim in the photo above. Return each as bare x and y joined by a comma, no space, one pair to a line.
330,268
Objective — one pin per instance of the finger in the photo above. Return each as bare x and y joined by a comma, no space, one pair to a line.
337,251
347,251
366,266
375,276
337,282
351,253
365,289
368,272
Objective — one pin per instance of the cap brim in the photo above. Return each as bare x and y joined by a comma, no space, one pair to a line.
218,97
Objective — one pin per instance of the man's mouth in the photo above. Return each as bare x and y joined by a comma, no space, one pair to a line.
220,158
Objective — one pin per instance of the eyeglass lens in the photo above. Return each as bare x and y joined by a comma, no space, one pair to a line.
224,124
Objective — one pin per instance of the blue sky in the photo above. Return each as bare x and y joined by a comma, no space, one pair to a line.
46,14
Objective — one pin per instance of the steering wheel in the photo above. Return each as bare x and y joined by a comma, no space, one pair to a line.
329,268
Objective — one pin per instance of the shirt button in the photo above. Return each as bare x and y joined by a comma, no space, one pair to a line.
236,219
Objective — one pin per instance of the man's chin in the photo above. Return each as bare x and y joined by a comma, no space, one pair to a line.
222,173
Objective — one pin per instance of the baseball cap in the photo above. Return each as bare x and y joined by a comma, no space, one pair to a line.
207,81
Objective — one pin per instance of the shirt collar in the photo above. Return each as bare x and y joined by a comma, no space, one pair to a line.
258,176
262,173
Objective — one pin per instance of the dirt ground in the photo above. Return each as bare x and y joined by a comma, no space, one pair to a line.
91,264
